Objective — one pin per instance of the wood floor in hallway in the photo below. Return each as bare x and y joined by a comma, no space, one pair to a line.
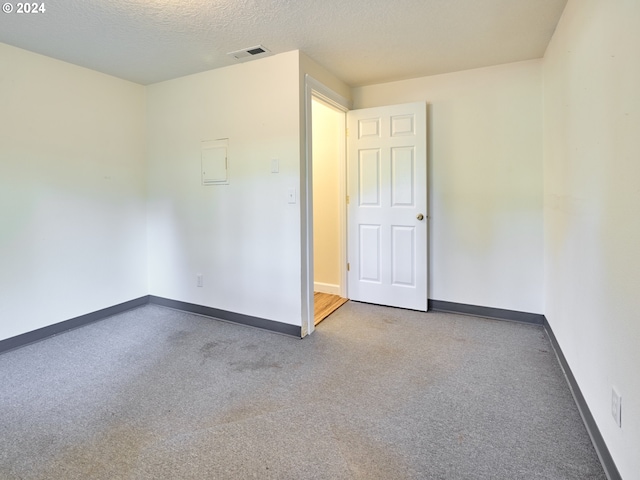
325,304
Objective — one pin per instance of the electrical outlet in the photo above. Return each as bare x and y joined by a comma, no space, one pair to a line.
616,407
199,280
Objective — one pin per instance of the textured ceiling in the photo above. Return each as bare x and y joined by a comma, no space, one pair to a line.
361,41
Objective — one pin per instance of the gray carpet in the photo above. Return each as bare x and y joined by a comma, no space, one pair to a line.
374,393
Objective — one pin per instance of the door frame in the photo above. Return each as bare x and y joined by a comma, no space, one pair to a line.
314,88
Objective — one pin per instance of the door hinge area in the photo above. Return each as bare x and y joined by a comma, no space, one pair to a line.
347,199
348,267
346,132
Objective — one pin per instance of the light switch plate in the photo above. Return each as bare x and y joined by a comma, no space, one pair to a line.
275,165
291,195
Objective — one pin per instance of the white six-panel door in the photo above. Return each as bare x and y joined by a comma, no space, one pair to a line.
387,210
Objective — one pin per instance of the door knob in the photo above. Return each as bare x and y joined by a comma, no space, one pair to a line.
420,216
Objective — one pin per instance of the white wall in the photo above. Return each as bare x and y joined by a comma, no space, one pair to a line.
592,194
244,238
328,127
485,181
72,191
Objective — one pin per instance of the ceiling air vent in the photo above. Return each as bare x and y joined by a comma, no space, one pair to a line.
248,52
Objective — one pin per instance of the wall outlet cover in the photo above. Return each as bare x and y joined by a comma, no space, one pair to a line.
616,407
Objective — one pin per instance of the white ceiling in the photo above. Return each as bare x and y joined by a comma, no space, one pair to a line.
361,41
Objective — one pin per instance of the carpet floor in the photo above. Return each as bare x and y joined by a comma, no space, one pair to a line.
374,393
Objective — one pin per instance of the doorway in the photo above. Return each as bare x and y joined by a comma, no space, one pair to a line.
390,174
328,175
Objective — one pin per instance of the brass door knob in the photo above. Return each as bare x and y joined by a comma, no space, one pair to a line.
420,216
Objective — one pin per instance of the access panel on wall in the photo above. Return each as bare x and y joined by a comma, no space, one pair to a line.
215,162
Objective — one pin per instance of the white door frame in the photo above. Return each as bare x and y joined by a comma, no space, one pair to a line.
314,88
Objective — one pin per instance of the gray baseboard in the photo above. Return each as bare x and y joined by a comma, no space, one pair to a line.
486,312
77,322
599,444
272,326
82,320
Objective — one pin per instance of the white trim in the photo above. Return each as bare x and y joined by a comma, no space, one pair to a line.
314,88
342,205
327,288
319,90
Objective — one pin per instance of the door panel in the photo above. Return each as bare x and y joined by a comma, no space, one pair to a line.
387,186
402,177
370,253
369,177
403,260
369,128
402,125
